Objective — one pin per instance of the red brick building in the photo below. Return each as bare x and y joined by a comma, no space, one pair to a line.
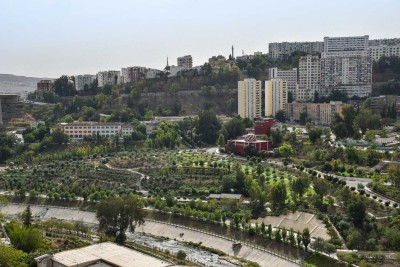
263,126
250,140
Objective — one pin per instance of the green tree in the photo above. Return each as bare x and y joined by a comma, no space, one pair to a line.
27,217
221,140
117,214
357,212
181,255
286,150
315,134
276,137
59,137
278,195
207,126
321,187
300,186
280,116
10,257
306,238
303,117
25,239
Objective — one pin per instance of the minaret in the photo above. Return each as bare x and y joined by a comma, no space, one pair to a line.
232,53
167,62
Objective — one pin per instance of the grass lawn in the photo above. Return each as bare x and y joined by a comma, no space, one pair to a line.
319,260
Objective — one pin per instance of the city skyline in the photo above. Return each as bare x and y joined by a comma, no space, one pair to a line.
47,38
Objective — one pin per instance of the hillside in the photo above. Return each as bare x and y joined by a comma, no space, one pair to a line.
16,84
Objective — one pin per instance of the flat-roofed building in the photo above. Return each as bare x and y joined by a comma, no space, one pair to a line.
309,77
80,130
276,96
290,76
185,61
110,77
82,80
249,98
133,74
317,113
44,86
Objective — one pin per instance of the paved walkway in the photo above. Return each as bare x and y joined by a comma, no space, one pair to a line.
248,252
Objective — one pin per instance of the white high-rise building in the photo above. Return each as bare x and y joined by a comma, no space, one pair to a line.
132,74
309,77
346,66
111,77
185,61
276,96
249,98
290,76
82,80
338,44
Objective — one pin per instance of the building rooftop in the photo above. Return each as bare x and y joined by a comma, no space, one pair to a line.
225,196
104,255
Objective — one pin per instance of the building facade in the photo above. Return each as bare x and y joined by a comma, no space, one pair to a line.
111,77
379,103
346,66
133,74
309,77
290,76
338,44
249,98
280,50
43,86
78,130
317,113
185,61
376,52
82,80
250,140
276,96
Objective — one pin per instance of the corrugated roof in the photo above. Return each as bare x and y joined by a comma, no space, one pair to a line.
108,253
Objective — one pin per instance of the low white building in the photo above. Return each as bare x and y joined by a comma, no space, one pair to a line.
151,125
78,130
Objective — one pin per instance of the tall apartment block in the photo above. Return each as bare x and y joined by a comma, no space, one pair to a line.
276,96
309,78
132,74
249,98
82,80
279,50
290,76
185,61
111,77
346,66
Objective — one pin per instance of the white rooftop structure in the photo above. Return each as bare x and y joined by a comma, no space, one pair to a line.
100,255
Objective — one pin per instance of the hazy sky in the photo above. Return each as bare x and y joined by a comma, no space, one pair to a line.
48,38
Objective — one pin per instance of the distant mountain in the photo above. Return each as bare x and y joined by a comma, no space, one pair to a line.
17,84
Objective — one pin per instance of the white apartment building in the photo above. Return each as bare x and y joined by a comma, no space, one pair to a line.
185,61
78,130
309,77
82,80
111,77
376,52
132,74
276,96
249,98
290,76
346,66
279,50
336,44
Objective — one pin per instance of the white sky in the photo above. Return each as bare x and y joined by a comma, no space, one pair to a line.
48,38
